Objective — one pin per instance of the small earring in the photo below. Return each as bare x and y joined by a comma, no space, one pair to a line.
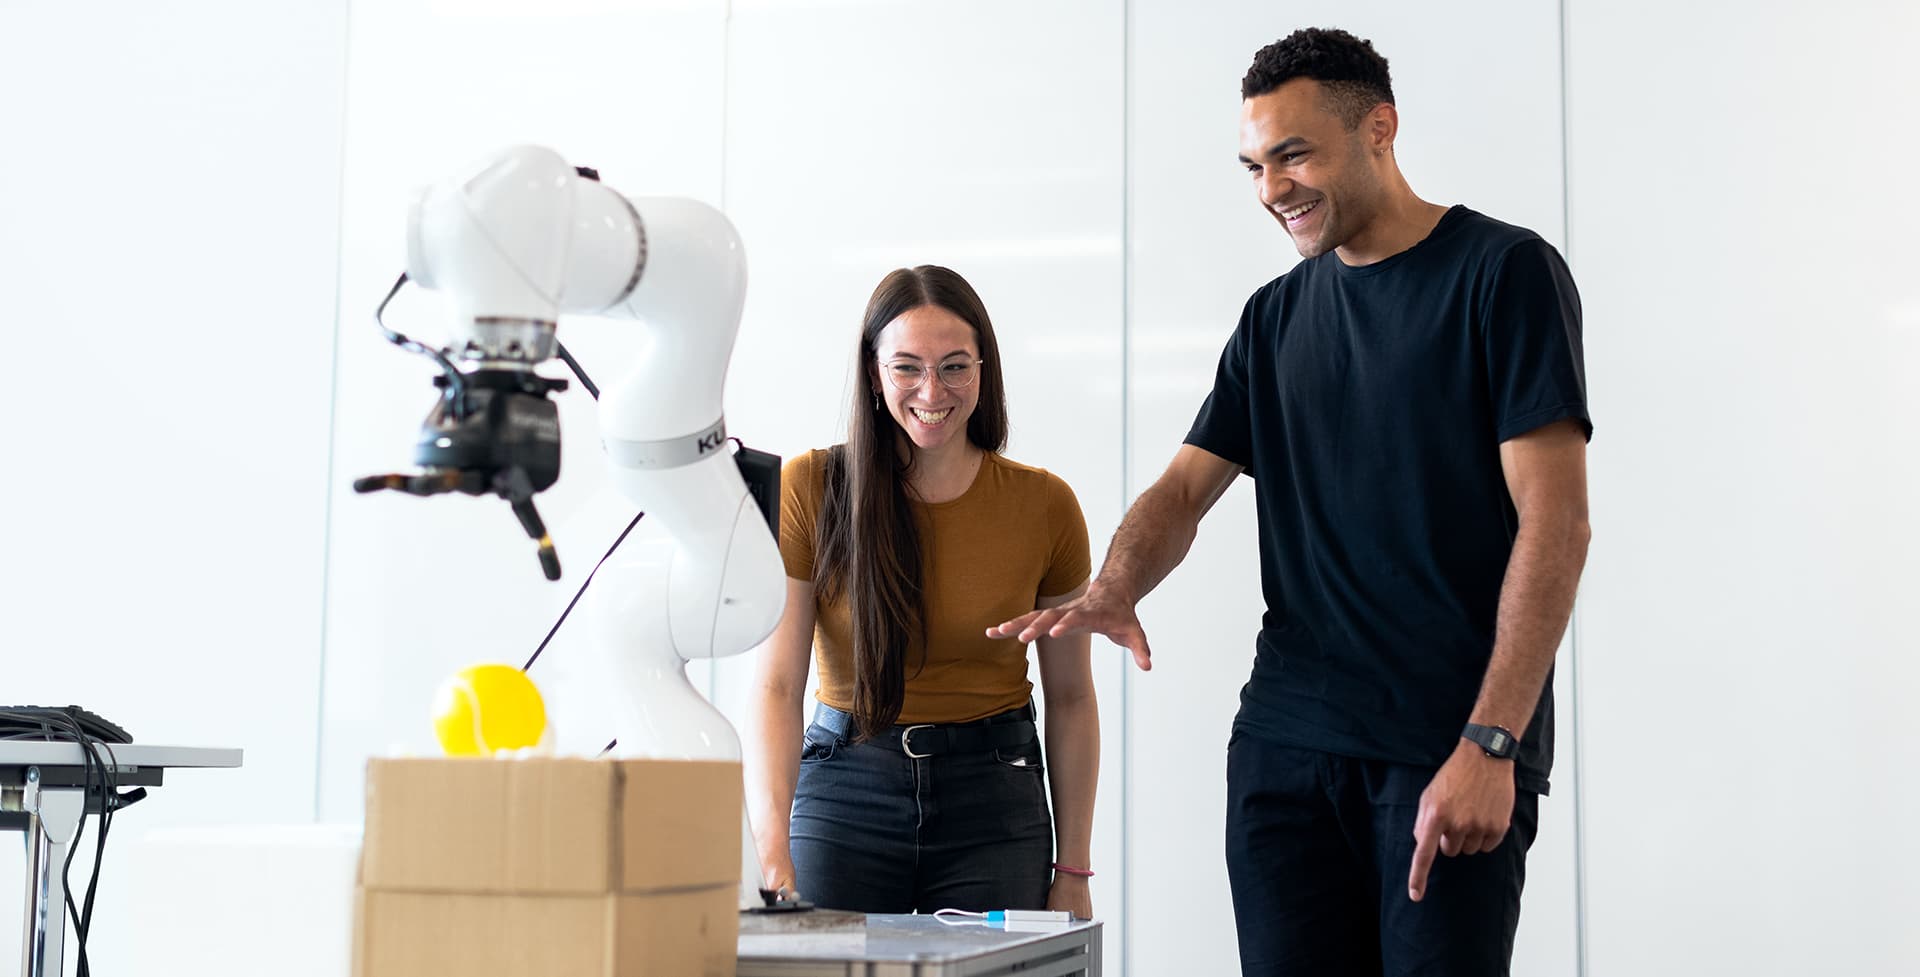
876,400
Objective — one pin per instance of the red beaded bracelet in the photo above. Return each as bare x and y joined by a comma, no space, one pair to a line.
1085,873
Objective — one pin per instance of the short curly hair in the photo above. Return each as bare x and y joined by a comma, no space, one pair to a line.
1352,72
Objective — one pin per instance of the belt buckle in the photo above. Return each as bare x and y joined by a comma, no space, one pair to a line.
906,741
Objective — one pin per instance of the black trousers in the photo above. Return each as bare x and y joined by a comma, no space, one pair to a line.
924,817
1318,851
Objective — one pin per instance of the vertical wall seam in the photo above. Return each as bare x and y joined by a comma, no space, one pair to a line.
1573,625
1126,467
333,405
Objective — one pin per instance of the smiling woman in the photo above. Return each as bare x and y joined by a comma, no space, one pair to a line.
920,784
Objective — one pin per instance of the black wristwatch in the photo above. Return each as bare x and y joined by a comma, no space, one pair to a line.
1496,741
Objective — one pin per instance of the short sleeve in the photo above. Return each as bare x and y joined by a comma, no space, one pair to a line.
799,503
1070,560
1536,370
1225,422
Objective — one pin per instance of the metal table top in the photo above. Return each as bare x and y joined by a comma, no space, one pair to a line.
916,944
37,753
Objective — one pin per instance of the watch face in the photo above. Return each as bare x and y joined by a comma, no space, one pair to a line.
1494,741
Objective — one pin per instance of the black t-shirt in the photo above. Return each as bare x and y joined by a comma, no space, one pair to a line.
1369,404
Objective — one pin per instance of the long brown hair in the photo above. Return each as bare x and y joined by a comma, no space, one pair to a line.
868,543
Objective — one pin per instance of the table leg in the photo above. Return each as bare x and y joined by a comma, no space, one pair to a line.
53,820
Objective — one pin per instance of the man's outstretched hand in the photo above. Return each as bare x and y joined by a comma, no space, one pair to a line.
1108,614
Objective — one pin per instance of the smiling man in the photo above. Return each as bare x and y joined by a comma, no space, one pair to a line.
1410,401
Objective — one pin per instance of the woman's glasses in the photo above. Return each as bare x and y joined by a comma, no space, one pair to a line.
956,373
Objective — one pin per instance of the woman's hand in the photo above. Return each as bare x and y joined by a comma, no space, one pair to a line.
1071,893
778,876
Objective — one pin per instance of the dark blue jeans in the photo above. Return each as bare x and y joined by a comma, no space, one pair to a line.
1318,851
876,830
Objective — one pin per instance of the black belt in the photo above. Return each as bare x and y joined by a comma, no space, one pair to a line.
918,740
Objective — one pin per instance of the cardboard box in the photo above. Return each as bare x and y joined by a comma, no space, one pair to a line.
564,867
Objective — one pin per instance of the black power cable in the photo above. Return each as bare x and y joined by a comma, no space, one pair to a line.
456,382
566,356
580,593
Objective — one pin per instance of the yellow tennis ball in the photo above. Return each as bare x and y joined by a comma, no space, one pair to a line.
484,708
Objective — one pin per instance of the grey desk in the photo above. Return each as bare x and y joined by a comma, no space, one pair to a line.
43,792
915,946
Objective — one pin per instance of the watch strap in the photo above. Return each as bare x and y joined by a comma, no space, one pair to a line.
1496,741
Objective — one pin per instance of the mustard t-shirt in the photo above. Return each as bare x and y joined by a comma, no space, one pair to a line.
1016,535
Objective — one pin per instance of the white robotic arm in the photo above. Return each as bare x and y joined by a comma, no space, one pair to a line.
514,243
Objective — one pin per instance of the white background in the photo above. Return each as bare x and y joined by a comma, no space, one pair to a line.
201,202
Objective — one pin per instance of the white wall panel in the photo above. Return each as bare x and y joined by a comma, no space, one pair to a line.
420,587
1743,228
167,253
1478,90
863,137
167,241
